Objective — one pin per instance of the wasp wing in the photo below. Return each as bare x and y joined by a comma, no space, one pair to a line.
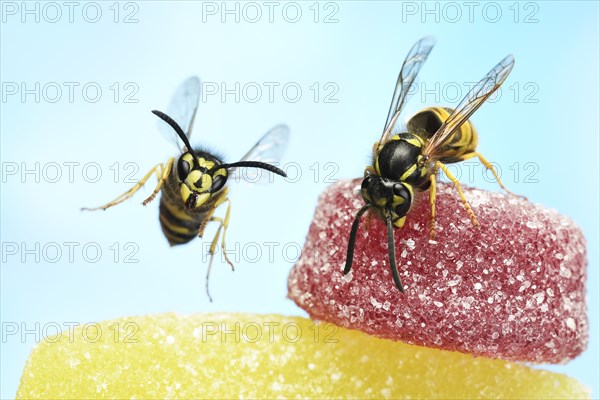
472,101
408,73
269,149
182,108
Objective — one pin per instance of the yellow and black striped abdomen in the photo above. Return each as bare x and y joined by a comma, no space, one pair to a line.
178,224
426,123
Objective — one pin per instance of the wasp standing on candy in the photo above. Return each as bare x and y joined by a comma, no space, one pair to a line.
409,161
195,186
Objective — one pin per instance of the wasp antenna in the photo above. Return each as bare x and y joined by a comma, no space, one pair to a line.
175,126
392,252
253,164
353,231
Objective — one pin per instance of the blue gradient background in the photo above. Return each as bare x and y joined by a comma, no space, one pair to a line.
361,53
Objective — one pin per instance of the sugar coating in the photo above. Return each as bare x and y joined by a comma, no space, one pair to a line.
239,356
514,288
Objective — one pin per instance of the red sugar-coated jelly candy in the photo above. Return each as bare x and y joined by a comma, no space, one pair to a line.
513,288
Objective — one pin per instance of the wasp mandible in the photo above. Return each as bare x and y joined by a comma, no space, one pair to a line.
409,161
194,186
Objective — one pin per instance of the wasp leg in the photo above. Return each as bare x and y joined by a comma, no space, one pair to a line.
460,192
207,276
128,194
212,251
213,246
489,166
162,176
432,191
223,224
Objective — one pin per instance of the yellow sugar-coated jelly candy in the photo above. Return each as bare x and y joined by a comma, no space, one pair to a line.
264,356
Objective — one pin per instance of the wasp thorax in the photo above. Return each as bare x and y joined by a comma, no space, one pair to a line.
199,179
387,194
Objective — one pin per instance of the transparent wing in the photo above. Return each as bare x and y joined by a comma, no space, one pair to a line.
269,149
472,101
408,73
182,108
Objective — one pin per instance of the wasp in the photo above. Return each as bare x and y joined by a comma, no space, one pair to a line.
194,186
409,161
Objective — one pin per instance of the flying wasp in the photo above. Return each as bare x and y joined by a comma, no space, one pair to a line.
194,186
410,161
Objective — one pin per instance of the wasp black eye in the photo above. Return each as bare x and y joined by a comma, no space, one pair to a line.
402,207
399,190
183,169
217,183
366,182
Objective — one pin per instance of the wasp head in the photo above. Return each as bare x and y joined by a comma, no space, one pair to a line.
199,178
201,174
387,194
